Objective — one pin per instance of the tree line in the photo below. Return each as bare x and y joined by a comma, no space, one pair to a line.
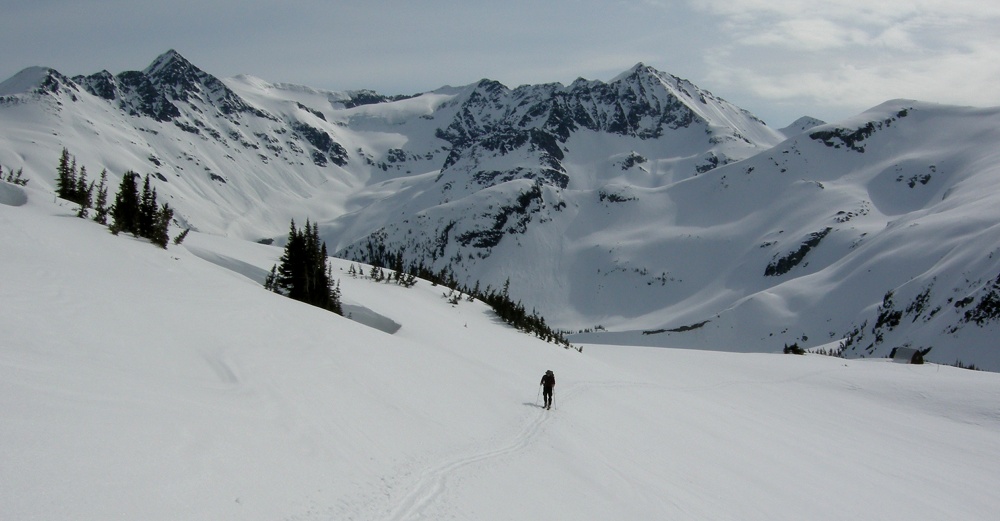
510,311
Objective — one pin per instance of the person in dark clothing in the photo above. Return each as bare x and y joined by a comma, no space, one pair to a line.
547,383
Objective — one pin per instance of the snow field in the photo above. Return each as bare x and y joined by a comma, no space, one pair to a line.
139,383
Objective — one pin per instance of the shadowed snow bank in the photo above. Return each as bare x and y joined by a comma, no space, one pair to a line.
363,315
12,195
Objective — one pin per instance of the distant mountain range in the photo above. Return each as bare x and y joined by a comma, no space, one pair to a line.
643,210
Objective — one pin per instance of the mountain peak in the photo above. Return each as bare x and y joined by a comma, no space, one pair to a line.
180,80
490,85
170,63
801,125
24,81
35,79
639,69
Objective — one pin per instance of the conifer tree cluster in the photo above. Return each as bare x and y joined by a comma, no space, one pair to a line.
793,349
305,273
377,274
132,212
14,177
72,183
139,214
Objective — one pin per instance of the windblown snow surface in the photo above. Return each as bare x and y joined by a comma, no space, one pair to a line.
141,383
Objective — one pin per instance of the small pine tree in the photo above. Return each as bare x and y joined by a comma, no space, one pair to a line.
84,195
334,304
290,281
159,234
180,238
72,176
125,211
66,175
101,203
408,280
15,177
148,210
270,282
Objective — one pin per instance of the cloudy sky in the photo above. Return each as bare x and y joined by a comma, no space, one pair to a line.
780,59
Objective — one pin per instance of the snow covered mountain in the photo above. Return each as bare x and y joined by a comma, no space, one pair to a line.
644,209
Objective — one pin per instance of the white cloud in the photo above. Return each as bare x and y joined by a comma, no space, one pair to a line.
849,55
805,34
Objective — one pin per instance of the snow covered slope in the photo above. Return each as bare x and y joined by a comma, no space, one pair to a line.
882,229
801,125
644,208
143,383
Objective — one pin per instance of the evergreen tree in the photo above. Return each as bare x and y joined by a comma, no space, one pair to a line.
81,182
314,269
334,294
101,204
125,211
73,192
290,281
304,273
270,282
180,238
66,180
159,235
84,194
148,211
323,285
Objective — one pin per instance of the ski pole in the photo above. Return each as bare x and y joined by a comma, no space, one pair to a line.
538,395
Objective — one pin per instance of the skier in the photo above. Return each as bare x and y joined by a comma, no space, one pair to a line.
547,383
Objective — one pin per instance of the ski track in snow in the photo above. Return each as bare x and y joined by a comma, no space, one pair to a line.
432,482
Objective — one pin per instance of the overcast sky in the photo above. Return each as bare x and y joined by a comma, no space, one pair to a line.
779,59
